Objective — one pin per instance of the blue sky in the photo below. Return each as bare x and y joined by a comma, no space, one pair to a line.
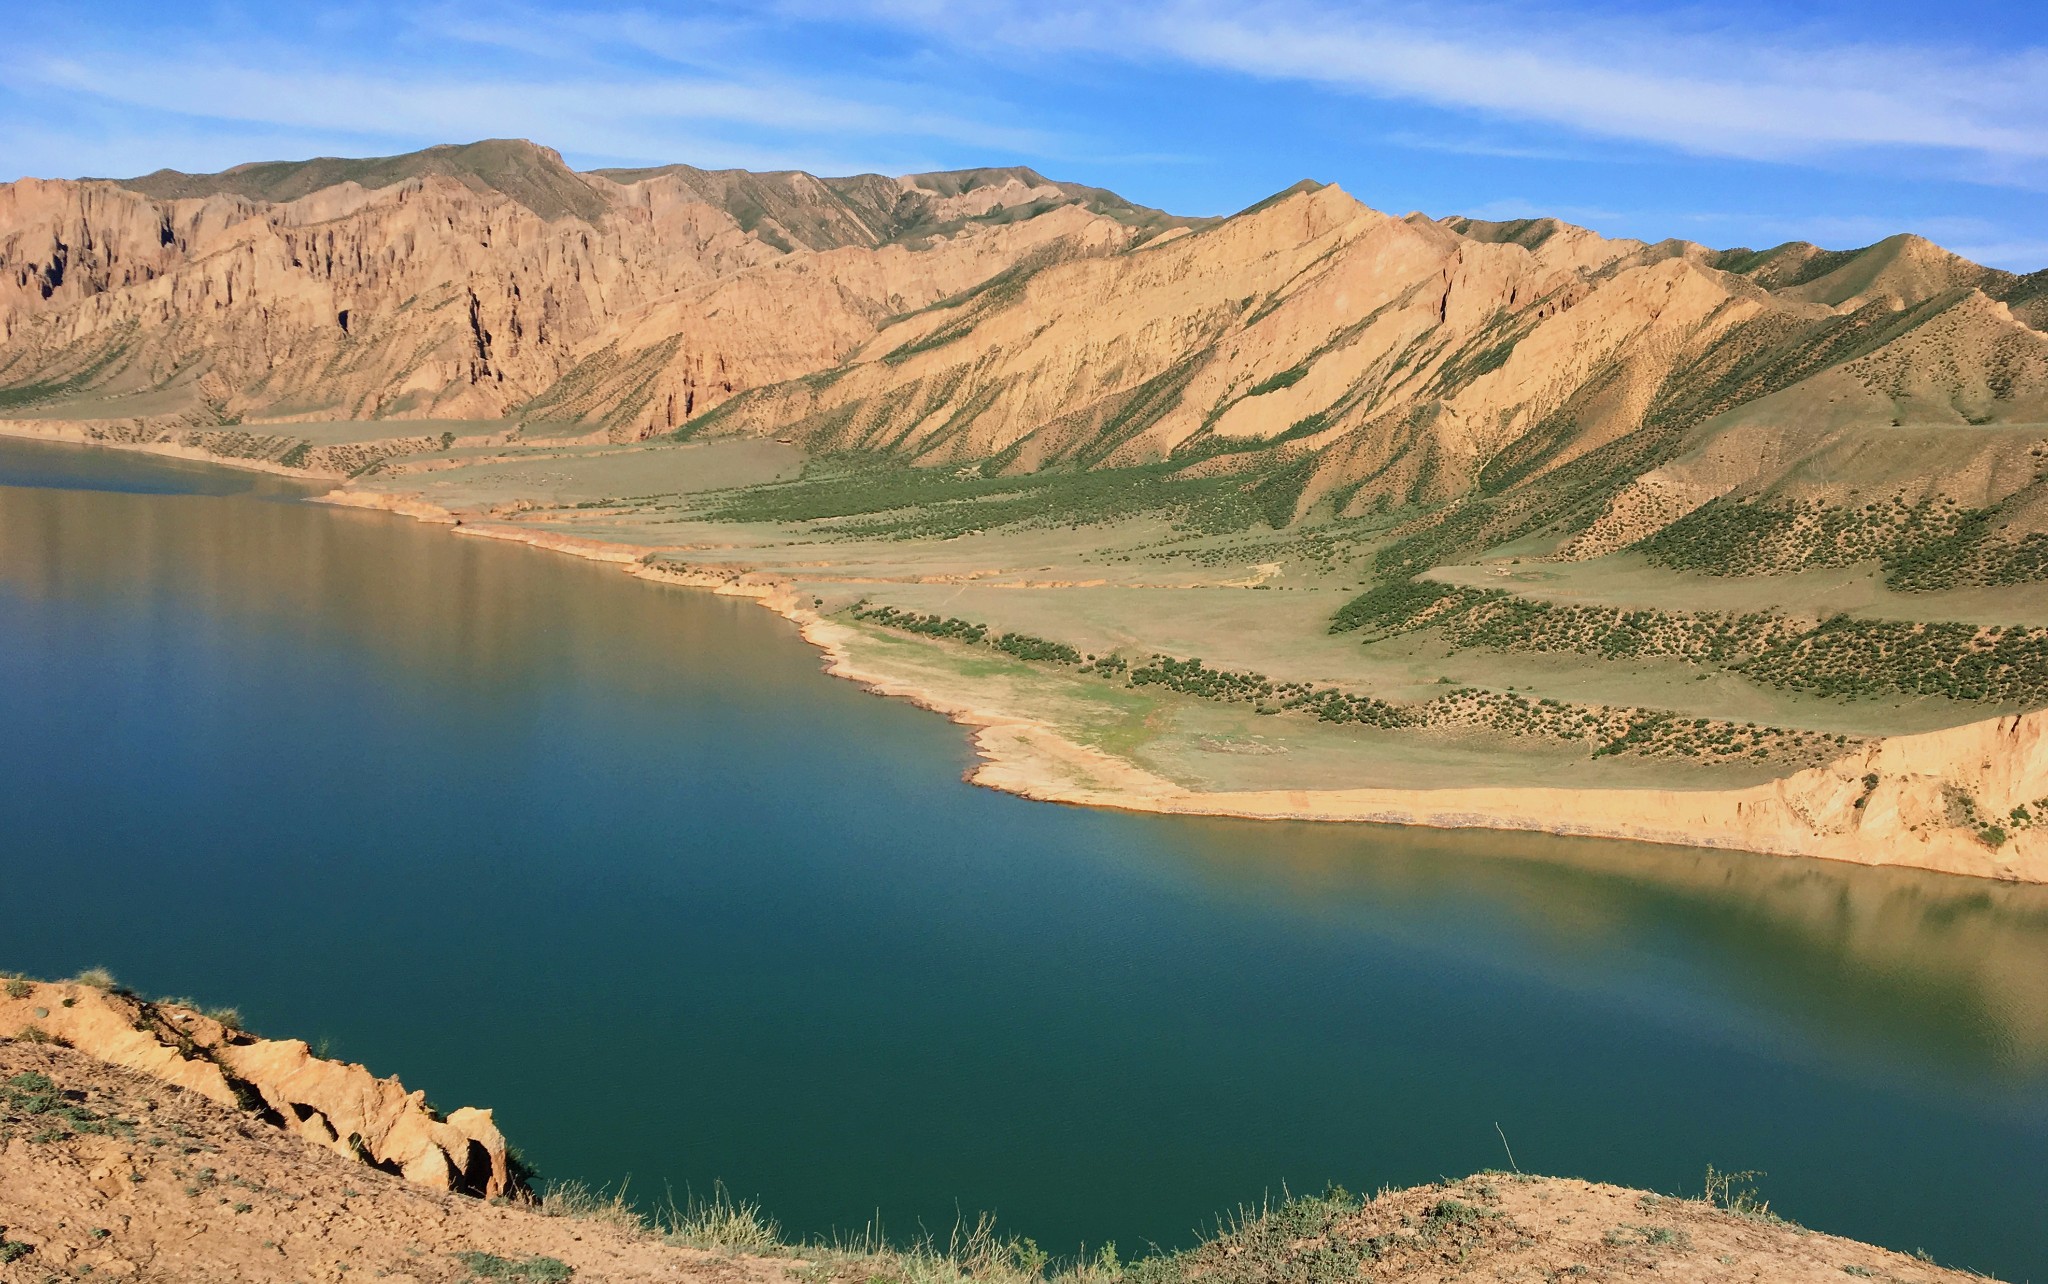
1729,123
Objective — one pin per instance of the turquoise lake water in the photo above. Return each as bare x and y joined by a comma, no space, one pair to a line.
619,861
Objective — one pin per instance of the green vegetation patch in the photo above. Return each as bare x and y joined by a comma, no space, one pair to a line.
1657,733
91,365
527,1270
2023,561
32,1100
1192,677
1603,729
869,499
1454,530
1841,658
1503,621
1849,658
1923,546
1024,646
1273,383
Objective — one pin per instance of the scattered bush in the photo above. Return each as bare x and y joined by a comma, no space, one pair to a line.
1922,545
530,1270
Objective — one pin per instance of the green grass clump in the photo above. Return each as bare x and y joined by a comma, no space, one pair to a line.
96,977
1737,1193
528,1270
721,1224
1273,383
33,1098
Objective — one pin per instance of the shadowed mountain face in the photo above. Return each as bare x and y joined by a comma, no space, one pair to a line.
1485,383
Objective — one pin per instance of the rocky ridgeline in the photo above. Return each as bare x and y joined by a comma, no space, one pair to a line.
1310,355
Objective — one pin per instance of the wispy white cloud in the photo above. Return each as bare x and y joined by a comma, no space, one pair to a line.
592,35
577,112
606,86
2013,256
1510,208
1454,146
902,85
1747,95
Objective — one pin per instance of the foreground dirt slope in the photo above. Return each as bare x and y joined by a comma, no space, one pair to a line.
112,1170
334,1104
178,1187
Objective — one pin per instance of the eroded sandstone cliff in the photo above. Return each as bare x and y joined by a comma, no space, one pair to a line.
332,1104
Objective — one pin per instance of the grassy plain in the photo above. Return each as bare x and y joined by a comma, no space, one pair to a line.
1130,569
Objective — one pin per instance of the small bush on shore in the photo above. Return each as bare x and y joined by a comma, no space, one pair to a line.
721,1223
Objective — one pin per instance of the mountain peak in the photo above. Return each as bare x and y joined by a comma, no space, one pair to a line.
526,172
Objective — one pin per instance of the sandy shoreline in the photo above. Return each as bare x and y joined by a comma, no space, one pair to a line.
64,433
1832,812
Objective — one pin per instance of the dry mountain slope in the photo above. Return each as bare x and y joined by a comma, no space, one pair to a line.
1447,388
1484,382
461,282
1491,382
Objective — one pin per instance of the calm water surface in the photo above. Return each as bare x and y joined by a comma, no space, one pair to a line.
619,861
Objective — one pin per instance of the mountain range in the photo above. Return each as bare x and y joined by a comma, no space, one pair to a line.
1488,382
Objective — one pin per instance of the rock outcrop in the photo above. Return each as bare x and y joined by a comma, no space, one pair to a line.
334,1104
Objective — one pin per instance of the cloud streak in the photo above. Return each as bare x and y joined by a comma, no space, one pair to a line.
581,111
1442,106
606,86
1798,98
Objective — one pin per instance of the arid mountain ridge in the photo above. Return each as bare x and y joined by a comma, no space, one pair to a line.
1491,382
